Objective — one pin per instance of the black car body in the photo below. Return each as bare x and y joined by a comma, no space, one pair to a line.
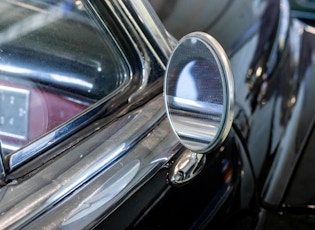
87,140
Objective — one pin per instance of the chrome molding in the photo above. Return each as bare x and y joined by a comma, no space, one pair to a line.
104,168
146,28
16,159
187,167
153,26
124,95
100,171
125,21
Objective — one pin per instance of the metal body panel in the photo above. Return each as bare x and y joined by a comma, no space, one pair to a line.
300,192
98,174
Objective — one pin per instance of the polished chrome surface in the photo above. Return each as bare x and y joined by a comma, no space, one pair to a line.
104,194
97,174
102,169
199,92
130,89
98,161
15,159
130,27
154,28
150,39
186,167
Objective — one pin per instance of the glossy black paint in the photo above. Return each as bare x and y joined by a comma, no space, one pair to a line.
249,38
244,182
270,62
300,191
227,199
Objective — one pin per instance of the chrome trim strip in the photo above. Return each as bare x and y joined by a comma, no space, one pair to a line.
101,156
112,187
9,147
137,31
16,159
144,49
99,172
153,25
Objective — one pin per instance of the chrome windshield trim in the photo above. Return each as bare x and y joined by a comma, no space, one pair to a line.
150,22
21,156
125,93
97,157
114,185
139,142
145,30
15,159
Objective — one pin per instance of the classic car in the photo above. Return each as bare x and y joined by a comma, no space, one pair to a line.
140,114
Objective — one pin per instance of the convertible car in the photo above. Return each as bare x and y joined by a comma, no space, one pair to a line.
140,114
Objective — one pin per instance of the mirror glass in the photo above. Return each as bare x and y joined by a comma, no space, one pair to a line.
198,92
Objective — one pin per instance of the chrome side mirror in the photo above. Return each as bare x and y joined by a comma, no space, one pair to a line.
199,92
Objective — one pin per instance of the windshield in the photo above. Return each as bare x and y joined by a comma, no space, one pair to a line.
54,63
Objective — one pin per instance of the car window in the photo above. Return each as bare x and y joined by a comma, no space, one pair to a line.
54,63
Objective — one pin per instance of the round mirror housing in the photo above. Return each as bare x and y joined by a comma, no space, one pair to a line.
199,92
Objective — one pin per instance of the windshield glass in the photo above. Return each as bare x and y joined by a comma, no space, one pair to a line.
54,63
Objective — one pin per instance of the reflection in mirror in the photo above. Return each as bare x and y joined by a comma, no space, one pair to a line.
55,62
199,92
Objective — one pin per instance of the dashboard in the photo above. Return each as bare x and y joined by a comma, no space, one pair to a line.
27,112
